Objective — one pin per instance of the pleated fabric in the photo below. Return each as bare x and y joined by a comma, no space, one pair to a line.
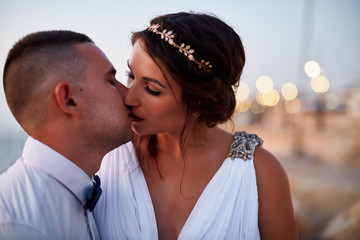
227,208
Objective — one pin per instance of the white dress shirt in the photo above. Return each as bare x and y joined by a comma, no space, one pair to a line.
42,196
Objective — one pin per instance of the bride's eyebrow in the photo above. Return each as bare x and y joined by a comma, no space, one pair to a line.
148,79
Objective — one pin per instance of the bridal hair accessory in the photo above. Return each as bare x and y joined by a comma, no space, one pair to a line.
168,36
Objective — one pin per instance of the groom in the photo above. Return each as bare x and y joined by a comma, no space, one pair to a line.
62,90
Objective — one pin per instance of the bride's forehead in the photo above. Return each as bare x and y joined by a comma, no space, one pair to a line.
140,62
139,56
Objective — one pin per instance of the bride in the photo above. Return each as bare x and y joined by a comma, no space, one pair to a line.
182,177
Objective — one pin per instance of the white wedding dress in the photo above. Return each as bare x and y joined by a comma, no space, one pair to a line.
226,209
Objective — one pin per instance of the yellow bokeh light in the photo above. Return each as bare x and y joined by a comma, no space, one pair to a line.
243,106
320,84
271,98
264,84
289,91
259,99
293,106
243,92
312,69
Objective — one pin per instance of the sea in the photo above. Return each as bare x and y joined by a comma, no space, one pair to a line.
11,145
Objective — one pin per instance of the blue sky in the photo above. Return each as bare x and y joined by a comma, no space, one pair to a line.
277,38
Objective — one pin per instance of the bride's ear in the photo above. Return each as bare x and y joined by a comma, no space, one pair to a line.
65,99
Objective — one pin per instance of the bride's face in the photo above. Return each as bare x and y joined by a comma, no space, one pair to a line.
155,101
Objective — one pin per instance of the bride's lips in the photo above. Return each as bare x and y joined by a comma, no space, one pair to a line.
136,118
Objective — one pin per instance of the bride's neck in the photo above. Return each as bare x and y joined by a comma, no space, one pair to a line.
191,141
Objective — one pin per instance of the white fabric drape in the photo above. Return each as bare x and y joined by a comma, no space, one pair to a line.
227,208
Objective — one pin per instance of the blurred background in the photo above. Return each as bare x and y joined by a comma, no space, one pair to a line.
300,90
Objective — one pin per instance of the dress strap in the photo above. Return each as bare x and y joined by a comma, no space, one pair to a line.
244,145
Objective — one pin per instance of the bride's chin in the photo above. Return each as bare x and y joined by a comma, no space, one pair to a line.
141,130
137,131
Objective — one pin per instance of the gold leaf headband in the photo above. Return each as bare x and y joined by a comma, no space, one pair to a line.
168,36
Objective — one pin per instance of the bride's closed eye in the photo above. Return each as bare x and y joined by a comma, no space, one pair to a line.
129,75
147,88
152,92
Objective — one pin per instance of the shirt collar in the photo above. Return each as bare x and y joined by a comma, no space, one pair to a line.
56,165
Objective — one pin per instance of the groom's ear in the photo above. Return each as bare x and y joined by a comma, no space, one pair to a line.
65,98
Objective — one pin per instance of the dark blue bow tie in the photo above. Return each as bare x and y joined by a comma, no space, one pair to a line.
93,194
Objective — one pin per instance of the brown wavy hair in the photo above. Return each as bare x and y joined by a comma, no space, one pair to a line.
210,94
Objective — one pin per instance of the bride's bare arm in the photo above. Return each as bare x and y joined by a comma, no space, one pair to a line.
276,214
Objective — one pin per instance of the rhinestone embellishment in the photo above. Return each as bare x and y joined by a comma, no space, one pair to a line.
244,145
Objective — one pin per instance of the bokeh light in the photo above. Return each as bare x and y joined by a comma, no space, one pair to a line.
332,101
293,106
353,105
259,99
289,91
256,107
271,98
320,84
243,92
312,69
264,84
243,106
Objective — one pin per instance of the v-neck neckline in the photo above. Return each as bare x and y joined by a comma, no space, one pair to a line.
195,207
